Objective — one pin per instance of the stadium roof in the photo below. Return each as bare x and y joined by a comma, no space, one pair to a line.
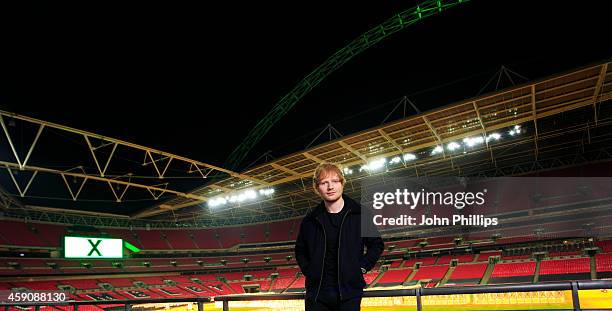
163,101
519,125
493,118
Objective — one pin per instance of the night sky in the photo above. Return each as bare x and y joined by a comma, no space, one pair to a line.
194,80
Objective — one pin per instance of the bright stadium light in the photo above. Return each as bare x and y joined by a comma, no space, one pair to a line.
436,150
493,136
347,171
515,130
216,202
246,195
232,199
373,165
473,141
377,164
409,157
452,146
395,160
266,192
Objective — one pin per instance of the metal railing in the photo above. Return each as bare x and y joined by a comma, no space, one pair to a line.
127,303
420,292
574,287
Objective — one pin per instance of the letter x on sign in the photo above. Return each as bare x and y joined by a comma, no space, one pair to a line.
94,247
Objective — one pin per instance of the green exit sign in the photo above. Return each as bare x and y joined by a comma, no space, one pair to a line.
88,247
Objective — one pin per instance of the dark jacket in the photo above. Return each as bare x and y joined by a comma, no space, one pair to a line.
310,251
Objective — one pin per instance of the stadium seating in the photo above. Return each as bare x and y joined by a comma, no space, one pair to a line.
394,277
606,246
484,256
516,257
425,261
180,239
255,233
396,264
261,274
299,283
206,239
565,269
370,276
81,284
151,240
468,273
516,239
603,263
207,277
289,272
430,272
238,287
519,272
117,282
150,280
39,285
445,260
284,230
52,235
234,276
439,242
124,234
230,236
405,244
282,283
16,233
566,253
560,261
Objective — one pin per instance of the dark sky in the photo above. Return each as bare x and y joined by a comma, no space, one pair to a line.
194,80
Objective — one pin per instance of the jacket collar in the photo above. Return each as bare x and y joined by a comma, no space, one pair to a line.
350,204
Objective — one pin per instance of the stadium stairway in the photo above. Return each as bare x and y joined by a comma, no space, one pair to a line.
376,279
487,275
536,275
281,284
272,283
447,276
293,282
230,287
411,275
593,267
167,241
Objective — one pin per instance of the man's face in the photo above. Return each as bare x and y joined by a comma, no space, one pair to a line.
330,188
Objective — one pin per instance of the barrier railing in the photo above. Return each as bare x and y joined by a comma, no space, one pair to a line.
574,287
127,303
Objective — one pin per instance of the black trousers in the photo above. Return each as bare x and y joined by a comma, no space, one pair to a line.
329,300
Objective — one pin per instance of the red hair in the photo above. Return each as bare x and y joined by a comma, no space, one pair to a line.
323,170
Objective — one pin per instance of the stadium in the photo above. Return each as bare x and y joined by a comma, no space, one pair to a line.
93,222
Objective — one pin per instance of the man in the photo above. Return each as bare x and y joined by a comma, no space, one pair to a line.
329,248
